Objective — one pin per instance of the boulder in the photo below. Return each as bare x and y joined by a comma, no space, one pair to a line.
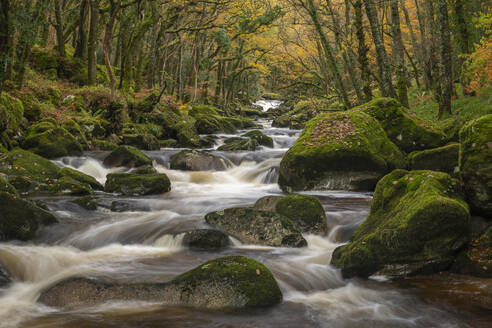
417,223
87,202
443,159
209,124
476,164
21,219
257,227
127,156
339,151
11,113
7,187
408,132
260,137
237,144
137,184
141,141
4,277
193,160
206,239
476,260
74,129
227,283
52,142
267,203
81,177
69,186
104,145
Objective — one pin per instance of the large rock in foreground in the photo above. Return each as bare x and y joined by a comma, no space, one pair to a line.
228,283
417,223
339,151
193,160
408,132
127,156
21,219
137,184
476,164
257,227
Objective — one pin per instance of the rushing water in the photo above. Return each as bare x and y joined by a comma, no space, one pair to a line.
144,245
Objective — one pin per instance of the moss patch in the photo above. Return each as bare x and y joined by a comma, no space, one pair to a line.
52,143
305,211
137,184
444,159
127,156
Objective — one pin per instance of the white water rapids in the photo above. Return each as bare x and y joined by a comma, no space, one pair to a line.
144,244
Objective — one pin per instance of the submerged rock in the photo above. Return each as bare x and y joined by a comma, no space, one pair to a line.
418,221
193,160
476,164
444,159
21,219
87,202
228,283
127,156
257,227
137,184
206,239
260,137
339,151
408,132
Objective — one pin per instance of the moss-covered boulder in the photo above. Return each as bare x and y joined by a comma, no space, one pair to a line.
76,130
81,177
206,239
227,284
305,110
52,142
476,260
408,132
305,211
127,156
209,124
21,219
7,187
260,137
137,184
104,145
239,144
187,135
443,159
87,202
257,227
141,141
193,160
28,172
69,186
417,223
339,151
93,127
11,113
476,164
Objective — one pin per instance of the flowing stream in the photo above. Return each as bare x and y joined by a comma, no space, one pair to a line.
143,244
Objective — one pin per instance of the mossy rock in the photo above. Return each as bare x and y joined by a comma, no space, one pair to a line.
193,160
477,259
69,186
87,202
147,169
228,284
408,132
257,227
127,156
93,127
187,135
81,177
305,211
141,141
476,164
260,137
137,184
209,124
239,144
52,143
168,143
33,108
75,130
104,145
282,121
144,129
207,110
417,223
7,187
21,219
11,113
28,172
205,239
443,159
339,151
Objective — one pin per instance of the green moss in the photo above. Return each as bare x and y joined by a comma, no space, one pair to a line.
236,144
209,124
69,186
417,222
408,132
7,187
86,202
52,143
197,110
477,259
476,164
444,159
347,150
305,211
75,130
81,177
141,141
127,156
252,278
137,184
11,113
93,127
148,128
187,135
169,143
104,145
261,138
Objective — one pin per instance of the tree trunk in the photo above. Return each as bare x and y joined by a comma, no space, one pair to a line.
92,47
59,28
4,40
81,49
362,51
426,66
446,57
108,36
399,54
434,52
385,77
416,49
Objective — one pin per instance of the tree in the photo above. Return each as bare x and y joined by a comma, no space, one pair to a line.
399,53
446,58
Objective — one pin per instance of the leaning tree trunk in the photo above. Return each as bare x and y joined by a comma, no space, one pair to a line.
446,58
387,88
92,47
399,54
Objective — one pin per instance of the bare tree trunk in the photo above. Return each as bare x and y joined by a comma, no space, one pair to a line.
81,49
92,47
446,58
434,52
385,77
108,35
362,51
426,65
417,50
399,54
4,40
59,28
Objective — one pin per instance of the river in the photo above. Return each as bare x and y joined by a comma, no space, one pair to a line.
143,244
